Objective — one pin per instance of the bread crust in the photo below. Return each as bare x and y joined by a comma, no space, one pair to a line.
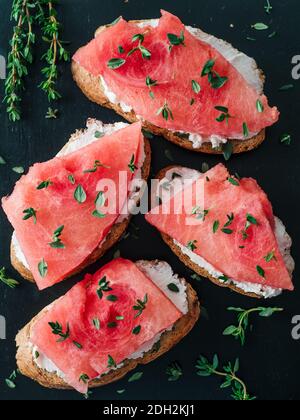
182,327
113,236
92,88
188,262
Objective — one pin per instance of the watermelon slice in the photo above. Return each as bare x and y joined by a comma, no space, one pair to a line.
230,225
180,84
106,327
76,199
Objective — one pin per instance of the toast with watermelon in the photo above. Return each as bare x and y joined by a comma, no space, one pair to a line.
127,314
190,87
56,209
224,229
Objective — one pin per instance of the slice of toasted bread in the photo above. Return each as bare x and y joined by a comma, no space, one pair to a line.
192,265
169,338
113,236
92,87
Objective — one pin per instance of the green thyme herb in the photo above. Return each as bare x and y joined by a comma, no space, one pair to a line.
234,182
80,194
103,287
175,40
174,372
259,106
18,169
260,26
55,53
146,54
270,256
215,80
56,240
6,280
239,331
10,381
199,213
84,378
135,377
136,330
165,111
115,63
132,167
111,363
227,150
216,225
51,114
260,271
97,164
44,184
96,323
30,212
224,116
173,287
112,298
229,373
192,245
196,87
2,161
43,268
245,130
71,179
140,306
286,139
268,7
57,329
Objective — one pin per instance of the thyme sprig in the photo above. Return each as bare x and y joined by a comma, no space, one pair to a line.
229,372
239,331
56,51
6,280
20,55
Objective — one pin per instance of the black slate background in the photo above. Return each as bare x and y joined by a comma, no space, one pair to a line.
270,360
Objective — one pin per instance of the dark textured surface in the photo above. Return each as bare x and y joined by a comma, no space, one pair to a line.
270,361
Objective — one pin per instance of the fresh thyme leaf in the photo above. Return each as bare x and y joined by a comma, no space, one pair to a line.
36,354
286,139
115,63
97,213
6,280
146,54
234,182
78,345
57,329
260,26
201,214
286,87
115,21
268,7
120,391
18,169
132,167
196,87
111,362
174,372
230,218
112,324
56,241
251,219
135,377
71,179
147,134
205,368
260,271
272,34
192,245
192,101
175,40
121,49
30,212
80,194
43,268
150,82
165,111
259,106
96,323
216,226
227,231
19,56
119,317
173,287
270,256
111,298
84,378
10,383
136,330
140,306
207,67
245,130
223,278
227,149
97,164
103,287
44,184
2,161
224,116
239,331
98,134
51,114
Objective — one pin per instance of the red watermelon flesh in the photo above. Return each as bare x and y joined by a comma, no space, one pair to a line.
174,71
128,284
56,206
236,249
